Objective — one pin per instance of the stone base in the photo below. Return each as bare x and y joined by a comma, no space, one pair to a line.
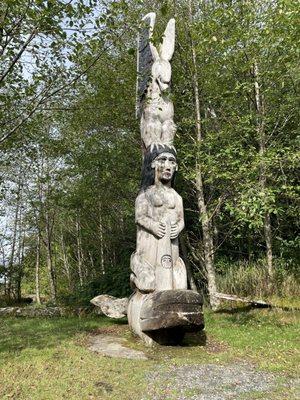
113,346
164,316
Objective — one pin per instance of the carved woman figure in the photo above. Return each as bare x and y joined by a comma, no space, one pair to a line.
156,264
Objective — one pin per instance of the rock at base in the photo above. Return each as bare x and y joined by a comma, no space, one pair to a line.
112,346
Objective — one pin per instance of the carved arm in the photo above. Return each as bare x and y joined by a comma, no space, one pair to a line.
142,218
179,225
141,212
180,215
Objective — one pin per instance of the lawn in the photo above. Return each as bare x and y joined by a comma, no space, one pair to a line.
48,358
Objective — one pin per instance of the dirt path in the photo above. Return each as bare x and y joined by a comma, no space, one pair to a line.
207,381
217,382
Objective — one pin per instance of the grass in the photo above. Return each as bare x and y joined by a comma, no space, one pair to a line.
47,359
252,280
270,338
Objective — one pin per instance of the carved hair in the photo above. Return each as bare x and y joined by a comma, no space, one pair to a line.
148,173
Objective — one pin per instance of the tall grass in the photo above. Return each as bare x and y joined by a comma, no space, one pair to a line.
252,279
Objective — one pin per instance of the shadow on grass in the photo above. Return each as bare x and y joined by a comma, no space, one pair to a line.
17,334
194,339
250,315
241,315
236,310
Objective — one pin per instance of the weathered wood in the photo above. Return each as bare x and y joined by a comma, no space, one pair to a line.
176,297
233,297
154,105
144,60
111,306
170,309
161,308
187,321
254,303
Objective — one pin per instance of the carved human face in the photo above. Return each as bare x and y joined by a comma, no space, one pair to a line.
165,166
166,261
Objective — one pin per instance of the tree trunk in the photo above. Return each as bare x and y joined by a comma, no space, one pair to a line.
49,258
93,271
51,272
268,238
66,263
208,247
4,267
101,240
14,241
260,127
204,217
37,269
79,251
19,274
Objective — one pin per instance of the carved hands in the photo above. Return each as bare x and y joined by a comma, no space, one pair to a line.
159,229
174,231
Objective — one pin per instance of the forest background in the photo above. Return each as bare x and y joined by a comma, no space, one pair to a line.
70,145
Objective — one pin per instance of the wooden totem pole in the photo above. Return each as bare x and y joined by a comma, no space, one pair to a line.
161,308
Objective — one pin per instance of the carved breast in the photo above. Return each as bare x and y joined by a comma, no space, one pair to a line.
171,201
159,199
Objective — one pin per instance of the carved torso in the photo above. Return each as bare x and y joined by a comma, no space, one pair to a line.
162,204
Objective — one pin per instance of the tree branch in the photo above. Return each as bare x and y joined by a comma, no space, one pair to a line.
17,56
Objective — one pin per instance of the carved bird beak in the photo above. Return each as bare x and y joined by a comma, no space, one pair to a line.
163,85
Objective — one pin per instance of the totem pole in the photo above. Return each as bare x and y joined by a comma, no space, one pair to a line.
161,308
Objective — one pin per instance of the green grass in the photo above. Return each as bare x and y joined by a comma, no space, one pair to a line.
270,338
48,358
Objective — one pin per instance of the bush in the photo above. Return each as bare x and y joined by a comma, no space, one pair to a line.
114,282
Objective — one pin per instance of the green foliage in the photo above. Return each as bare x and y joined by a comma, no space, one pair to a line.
229,38
114,282
75,160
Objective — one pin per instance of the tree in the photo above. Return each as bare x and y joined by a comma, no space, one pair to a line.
235,85
38,42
